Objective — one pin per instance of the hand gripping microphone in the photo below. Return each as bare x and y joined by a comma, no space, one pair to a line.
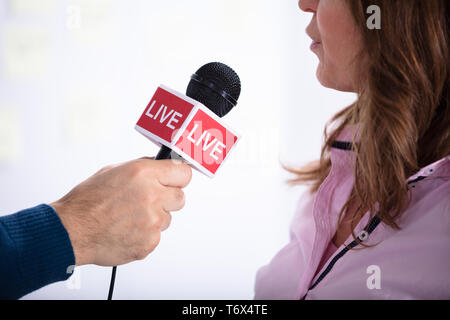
190,126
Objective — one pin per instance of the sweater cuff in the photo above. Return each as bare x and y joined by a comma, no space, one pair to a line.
45,253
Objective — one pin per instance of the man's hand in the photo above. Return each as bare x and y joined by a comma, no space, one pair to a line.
117,215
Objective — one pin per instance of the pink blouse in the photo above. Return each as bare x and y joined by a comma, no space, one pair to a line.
326,256
410,263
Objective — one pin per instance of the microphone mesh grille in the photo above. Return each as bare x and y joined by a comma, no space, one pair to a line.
223,77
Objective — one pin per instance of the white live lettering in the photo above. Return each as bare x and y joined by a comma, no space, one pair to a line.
207,144
192,133
148,114
174,119
216,149
172,114
164,116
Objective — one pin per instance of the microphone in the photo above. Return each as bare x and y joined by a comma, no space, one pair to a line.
215,85
189,126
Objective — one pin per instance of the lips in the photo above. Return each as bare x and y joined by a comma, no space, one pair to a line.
315,41
313,38
315,45
311,31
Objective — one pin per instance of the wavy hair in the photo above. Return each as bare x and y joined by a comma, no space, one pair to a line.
402,110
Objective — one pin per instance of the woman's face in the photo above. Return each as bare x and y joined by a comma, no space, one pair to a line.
336,42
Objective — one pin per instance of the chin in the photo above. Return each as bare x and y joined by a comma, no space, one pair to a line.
330,82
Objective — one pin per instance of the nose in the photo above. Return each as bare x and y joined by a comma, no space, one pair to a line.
308,5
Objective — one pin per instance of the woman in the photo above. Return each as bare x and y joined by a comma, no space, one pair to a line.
376,222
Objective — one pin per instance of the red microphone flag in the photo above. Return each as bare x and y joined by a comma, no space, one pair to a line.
188,128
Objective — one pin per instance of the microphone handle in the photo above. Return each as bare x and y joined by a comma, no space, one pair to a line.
164,153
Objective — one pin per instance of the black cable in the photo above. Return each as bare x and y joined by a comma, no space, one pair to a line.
111,284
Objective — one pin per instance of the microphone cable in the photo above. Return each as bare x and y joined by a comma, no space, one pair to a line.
111,284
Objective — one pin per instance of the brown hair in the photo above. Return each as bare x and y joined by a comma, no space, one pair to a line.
402,110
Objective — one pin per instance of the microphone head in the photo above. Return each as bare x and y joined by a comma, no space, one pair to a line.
217,86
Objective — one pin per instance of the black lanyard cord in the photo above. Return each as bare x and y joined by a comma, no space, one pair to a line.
370,227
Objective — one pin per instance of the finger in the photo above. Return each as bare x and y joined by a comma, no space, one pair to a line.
174,199
152,242
167,218
172,173
106,168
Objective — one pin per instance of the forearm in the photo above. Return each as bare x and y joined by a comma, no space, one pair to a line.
35,250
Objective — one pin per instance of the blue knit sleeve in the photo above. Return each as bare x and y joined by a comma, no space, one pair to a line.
35,250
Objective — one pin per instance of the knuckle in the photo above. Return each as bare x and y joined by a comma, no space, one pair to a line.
167,221
141,252
156,240
148,249
138,254
156,221
104,169
152,243
142,255
180,197
136,169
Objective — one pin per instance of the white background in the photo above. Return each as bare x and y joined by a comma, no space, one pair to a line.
75,75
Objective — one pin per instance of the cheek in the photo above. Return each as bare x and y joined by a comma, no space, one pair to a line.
340,42
337,35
